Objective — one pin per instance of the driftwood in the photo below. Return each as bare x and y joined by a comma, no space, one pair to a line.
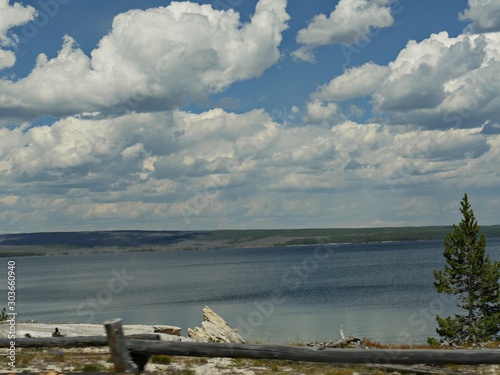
214,329
349,341
169,330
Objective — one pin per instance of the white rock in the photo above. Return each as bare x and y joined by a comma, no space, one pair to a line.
214,329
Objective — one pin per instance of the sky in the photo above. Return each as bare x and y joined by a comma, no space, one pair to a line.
239,114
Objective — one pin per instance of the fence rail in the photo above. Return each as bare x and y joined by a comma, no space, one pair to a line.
141,347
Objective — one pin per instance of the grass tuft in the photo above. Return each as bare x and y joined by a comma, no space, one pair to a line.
161,359
94,367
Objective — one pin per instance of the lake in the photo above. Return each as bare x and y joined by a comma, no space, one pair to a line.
382,291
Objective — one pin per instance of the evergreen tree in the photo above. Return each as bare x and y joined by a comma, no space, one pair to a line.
473,278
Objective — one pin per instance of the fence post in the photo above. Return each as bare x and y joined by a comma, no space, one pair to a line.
116,341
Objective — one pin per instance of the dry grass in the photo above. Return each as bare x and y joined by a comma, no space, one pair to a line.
268,367
377,345
65,359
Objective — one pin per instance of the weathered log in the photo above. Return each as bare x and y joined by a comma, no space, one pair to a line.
308,354
56,342
141,359
355,356
117,345
70,342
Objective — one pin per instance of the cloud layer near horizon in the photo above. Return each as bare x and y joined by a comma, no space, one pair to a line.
159,174
124,155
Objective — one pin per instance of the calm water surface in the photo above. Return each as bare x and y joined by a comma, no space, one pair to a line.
383,291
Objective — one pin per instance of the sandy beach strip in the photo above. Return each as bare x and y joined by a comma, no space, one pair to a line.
75,329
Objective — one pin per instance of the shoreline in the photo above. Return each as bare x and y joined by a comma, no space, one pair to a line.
35,251
123,241
44,330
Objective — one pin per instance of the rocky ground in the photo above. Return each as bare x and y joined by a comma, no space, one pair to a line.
99,360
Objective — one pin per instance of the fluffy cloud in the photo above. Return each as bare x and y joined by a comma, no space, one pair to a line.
10,17
351,22
418,76
182,170
151,60
484,16
353,83
318,112
7,59
440,82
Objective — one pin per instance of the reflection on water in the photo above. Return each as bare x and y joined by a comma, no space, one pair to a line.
383,291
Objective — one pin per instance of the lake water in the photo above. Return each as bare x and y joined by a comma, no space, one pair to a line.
383,291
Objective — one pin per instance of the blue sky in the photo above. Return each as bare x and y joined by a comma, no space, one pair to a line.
247,114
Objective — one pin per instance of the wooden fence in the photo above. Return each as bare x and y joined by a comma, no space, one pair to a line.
131,353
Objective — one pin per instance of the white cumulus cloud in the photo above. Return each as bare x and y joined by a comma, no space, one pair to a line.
182,170
7,59
317,112
484,16
11,16
440,82
152,59
355,82
351,22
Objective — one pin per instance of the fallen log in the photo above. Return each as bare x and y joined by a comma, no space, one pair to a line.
252,351
69,342
297,353
56,342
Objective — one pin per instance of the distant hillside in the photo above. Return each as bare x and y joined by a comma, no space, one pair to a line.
341,235
126,240
97,239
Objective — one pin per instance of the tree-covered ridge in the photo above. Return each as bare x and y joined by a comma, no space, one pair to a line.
127,240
